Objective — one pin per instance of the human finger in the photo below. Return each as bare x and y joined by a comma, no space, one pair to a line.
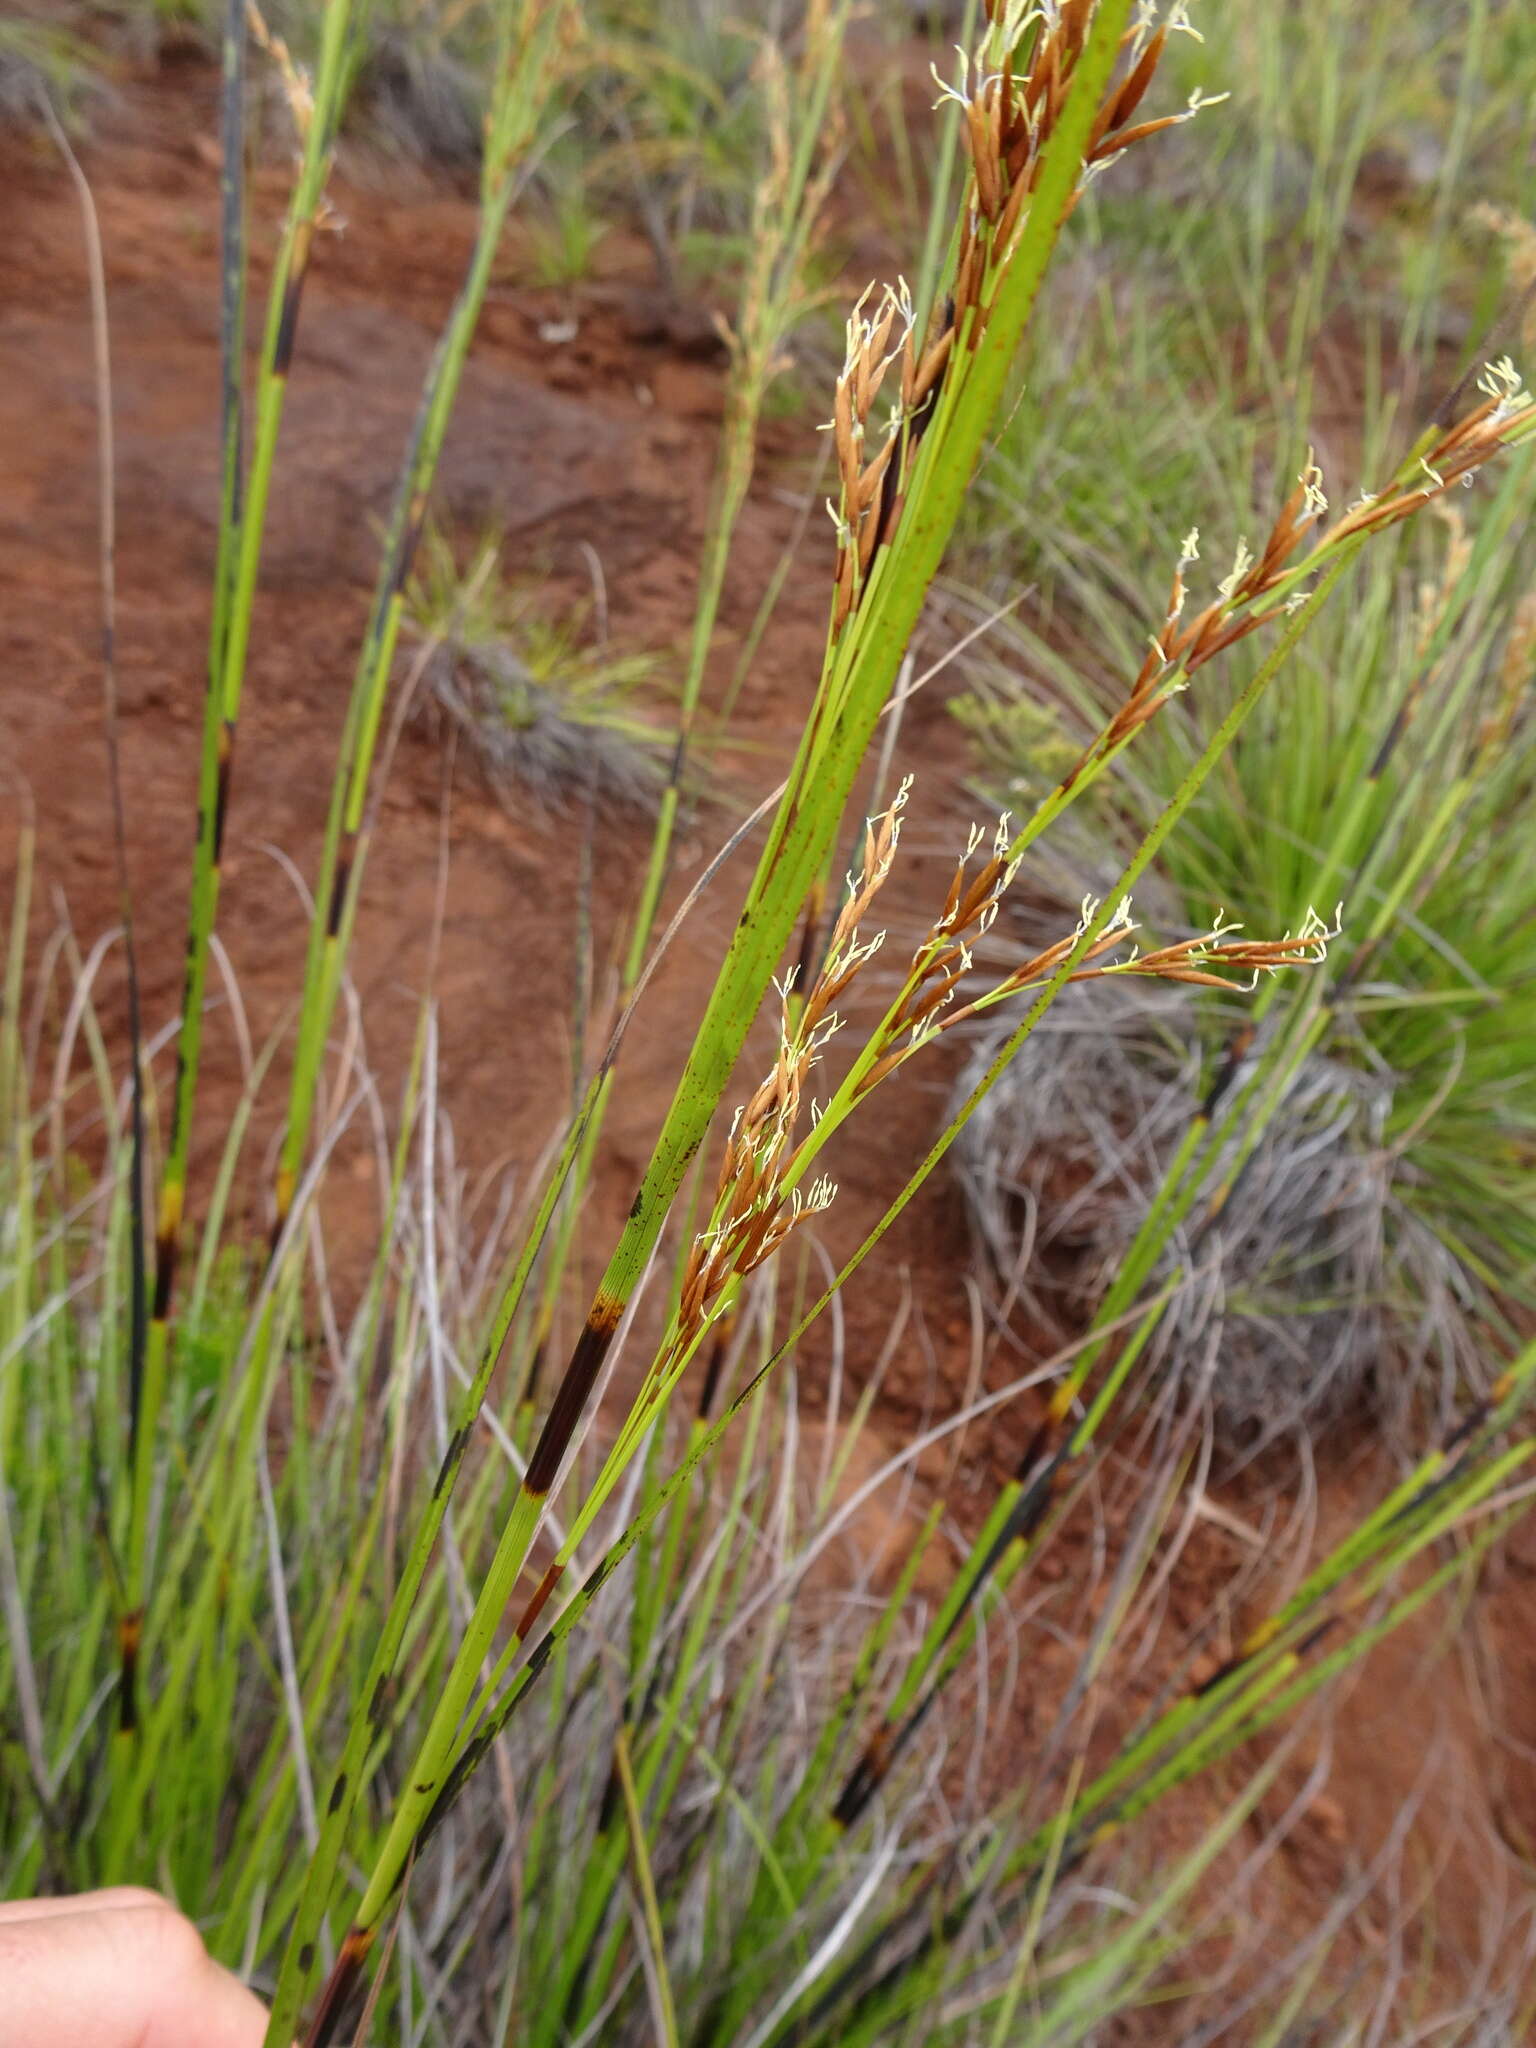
128,1976
113,1899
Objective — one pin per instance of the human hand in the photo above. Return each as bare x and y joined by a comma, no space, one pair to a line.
116,1969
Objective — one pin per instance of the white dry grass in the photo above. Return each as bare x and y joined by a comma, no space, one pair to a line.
1289,1308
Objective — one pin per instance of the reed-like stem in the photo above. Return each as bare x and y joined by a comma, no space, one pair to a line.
242,521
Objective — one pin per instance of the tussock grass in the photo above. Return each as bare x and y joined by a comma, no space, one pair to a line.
354,1616
1287,1294
547,713
419,100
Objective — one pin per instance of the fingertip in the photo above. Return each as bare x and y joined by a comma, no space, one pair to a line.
199,2000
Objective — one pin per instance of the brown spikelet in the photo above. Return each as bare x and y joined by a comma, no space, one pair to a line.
1007,123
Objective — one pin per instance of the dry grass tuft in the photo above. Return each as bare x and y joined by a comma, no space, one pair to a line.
548,713
420,102
1289,1312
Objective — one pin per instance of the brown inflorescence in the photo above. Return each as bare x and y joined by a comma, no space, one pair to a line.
1008,119
1216,958
754,1212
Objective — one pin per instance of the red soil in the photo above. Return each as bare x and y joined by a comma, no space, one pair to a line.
605,444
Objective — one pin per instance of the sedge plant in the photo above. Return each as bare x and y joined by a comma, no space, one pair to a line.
425,1633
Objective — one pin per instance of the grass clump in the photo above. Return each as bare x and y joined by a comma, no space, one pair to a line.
568,230
546,713
1281,1321
419,98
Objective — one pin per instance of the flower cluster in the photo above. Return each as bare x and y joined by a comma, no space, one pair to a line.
1011,94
